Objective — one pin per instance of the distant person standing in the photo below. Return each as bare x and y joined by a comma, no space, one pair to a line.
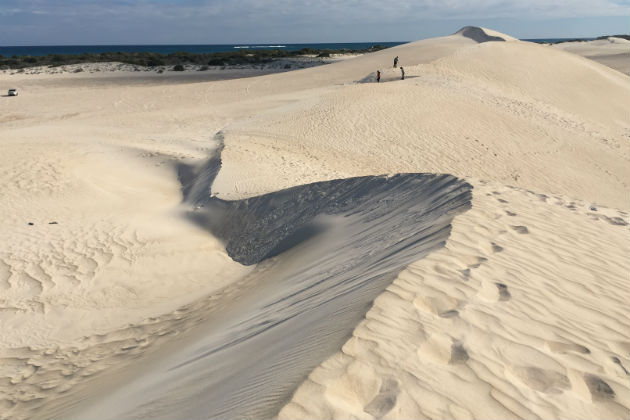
378,76
403,73
396,62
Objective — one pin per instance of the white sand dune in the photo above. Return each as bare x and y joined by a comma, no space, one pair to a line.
613,52
505,322
522,314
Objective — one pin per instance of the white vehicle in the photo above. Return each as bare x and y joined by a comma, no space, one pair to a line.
13,92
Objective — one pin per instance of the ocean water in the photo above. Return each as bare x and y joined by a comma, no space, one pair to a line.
9,51
167,49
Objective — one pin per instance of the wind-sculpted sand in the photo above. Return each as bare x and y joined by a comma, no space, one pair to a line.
505,322
304,245
343,241
613,52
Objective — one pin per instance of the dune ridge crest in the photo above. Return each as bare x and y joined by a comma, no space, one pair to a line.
324,252
480,34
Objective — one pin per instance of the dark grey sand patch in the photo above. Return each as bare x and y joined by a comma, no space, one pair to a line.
264,226
520,229
542,380
449,314
324,251
480,260
617,221
617,361
385,400
478,34
561,347
598,388
496,248
504,293
458,353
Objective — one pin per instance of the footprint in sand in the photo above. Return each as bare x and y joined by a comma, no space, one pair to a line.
490,247
541,380
458,353
520,229
442,349
496,248
449,314
385,400
473,261
564,348
617,362
509,213
495,292
590,387
442,306
504,293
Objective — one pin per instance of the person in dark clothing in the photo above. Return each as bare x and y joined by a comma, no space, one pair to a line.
396,62
403,73
378,76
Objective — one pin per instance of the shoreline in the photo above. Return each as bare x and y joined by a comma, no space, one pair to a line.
130,74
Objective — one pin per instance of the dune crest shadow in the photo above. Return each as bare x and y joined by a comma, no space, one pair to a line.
324,251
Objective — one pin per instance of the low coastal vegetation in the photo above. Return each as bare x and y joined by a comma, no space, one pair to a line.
177,59
627,37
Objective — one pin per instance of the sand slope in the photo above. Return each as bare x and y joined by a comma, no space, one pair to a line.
506,322
524,310
612,52
494,110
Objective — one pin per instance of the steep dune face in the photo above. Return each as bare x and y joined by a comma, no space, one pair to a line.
340,243
522,315
480,35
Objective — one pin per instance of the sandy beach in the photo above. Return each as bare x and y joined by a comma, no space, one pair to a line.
264,243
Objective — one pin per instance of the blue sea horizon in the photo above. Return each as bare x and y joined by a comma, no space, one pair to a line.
40,50
9,51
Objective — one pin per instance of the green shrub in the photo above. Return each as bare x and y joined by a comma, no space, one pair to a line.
155,61
177,59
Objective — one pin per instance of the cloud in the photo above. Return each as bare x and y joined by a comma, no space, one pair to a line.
338,10
240,20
